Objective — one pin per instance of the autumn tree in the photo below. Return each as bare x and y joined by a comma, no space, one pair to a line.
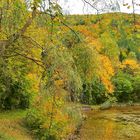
134,5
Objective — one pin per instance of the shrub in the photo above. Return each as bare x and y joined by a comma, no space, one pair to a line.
123,89
48,124
97,19
94,93
70,39
14,94
94,21
136,87
99,92
39,123
34,121
114,23
127,22
81,22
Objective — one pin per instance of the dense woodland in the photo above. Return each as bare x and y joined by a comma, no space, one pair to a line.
52,63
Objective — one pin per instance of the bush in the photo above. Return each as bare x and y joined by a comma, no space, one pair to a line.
70,39
94,21
46,124
123,89
136,87
34,121
114,23
81,22
94,93
39,123
14,94
127,22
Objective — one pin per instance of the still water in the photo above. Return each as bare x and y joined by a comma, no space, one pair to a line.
113,124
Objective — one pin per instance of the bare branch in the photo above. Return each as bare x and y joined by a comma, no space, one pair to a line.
38,62
91,6
33,41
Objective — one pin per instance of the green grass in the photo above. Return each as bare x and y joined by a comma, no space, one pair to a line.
15,114
3,136
12,126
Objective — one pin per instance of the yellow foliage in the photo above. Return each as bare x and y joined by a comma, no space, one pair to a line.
106,72
59,83
131,63
35,81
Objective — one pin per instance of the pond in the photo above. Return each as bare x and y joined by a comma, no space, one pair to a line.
121,123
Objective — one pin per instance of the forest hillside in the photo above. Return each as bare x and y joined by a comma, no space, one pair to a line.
52,64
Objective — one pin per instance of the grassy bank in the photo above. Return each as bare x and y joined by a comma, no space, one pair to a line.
12,127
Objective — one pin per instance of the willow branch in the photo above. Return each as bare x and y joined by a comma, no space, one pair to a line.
71,29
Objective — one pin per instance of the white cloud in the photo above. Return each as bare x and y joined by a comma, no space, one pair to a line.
79,7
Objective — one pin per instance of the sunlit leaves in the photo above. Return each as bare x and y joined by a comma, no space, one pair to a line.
14,16
106,72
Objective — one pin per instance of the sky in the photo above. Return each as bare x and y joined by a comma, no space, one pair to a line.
78,6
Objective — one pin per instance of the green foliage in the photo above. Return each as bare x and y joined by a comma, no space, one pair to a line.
5,137
13,15
84,58
14,94
62,69
34,119
94,21
94,93
127,44
136,87
71,39
114,23
81,22
123,41
48,125
123,88
14,86
127,22
110,46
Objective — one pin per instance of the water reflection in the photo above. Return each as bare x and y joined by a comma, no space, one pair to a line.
114,124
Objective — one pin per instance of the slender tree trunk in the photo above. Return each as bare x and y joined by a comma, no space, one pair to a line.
1,14
134,15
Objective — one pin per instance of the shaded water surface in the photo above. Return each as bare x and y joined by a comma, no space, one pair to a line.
113,124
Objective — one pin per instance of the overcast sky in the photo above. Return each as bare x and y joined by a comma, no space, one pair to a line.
78,6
